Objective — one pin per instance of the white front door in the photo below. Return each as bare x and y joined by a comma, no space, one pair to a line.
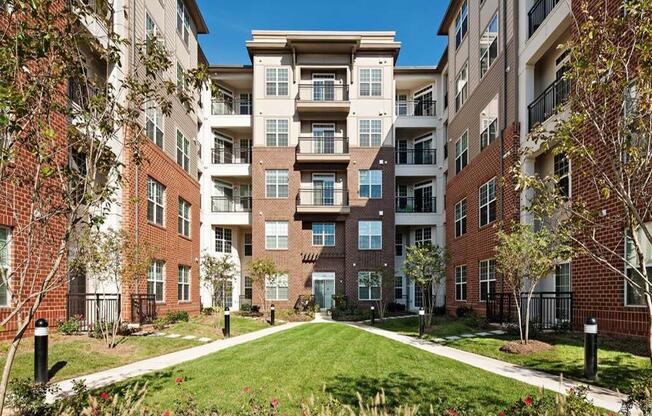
323,287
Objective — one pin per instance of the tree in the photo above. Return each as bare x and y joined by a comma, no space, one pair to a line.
217,273
425,265
608,139
66,152
114,261
262,271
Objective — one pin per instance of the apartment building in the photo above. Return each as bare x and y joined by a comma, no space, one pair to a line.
324,157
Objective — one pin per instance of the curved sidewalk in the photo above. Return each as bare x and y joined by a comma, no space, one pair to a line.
601,397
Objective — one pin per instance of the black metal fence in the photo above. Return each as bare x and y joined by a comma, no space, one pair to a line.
323,91
143,308
90,308
416,156
546,103
416,108
231,204
323,145
548,310
538,13
412,204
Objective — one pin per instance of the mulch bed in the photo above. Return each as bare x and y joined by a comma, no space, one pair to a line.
532,346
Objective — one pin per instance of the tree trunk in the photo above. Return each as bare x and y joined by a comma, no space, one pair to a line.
648,302
518,312
11,355
527,315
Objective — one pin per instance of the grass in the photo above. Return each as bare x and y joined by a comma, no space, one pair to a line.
619,362
322,359
71,356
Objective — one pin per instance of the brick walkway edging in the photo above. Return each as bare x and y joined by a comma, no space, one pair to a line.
601,397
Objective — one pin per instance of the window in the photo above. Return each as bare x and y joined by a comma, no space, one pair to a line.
155,202
276,235
248,288
155,280
461,24
489,46
398,287
5,236
276,183
276,81
460,283
248,244
183,21
634,295
371,184
399,244
462,152
183,287
154,124
563,278
423,236
181,78
276,287
183,151
152,33
460,218
371,82
487,278
461,87
370,133
370,235
562,172
223,240
488,202
489,126
184,218
323,234
369,286
276,133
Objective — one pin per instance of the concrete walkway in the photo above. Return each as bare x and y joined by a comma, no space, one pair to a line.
114,375
601,397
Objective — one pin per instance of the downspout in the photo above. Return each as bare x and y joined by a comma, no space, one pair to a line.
137,167
504,117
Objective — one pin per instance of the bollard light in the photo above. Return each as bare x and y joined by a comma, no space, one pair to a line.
591,348
422,322
41,351
227,322
373,314
273,313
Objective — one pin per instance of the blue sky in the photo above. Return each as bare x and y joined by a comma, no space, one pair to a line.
415,22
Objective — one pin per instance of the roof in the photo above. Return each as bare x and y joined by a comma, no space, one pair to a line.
416,70
225,68
451,11
196,16
443,60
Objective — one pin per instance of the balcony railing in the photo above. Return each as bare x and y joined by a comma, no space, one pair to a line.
417,108
91,308
416,157
538,13
548,310
224,155
231,106
320,145
231,204
322,197
325,92
546,103
419,205
143,308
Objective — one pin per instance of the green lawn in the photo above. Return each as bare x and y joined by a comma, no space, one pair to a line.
322,359
71,356
619,362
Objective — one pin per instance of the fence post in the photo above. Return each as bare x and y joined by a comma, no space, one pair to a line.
540,310
119,306
97,307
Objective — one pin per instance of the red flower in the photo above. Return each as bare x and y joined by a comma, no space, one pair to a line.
246,389
179,380
451,412
166,413
104,395
528,401
501,414
274,403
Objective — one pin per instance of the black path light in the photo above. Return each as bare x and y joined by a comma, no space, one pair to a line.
373,314
272,314
227,322
422,321
41,351
591,348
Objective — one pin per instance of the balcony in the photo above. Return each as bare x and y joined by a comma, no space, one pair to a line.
231,113
417,108
545,105
97,17
323,201
231,204
416,157
320,149
323,97
234,155
409,204
538,13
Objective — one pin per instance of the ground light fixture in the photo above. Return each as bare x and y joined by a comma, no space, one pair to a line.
41,351
227,322
422,321
591,348
272,314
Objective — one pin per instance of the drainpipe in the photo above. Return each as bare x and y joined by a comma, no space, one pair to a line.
137,167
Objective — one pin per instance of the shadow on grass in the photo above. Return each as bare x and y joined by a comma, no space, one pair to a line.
52,371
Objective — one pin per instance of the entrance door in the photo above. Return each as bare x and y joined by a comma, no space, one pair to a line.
323,185
323,87
323,287
324,138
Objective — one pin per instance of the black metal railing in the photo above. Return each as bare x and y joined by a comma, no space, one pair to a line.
231,204
412,204
231,155
323,145
323,92
416,156
416,108
545,105
538,13
231,106
322,197
143,308
91,308
548,310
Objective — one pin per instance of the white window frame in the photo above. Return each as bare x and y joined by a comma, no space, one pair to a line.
563,175
487,197
155,201
370,82
155,276
489,131
274,80
367,276
277,284
183,151
423,236
274,181
277,132
485,51
461,281
183,22
486,275
370,132
181,78
366,228
462,86
461,212
631,260
183,226
320,239
154,116
276,235
462,152
223,240
461,24
368,179
5,263
152,31
183,283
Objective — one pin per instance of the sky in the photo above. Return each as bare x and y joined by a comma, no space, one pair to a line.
415,22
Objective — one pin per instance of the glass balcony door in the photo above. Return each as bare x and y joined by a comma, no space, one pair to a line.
423,200
423,152
223,150
323,138
323,185
323,87
224,197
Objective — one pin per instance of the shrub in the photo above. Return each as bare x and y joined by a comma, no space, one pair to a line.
255,308
208,311
464,310
71,326
639,397
394,307
160,323
177,316
96,331
246,307
28,399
